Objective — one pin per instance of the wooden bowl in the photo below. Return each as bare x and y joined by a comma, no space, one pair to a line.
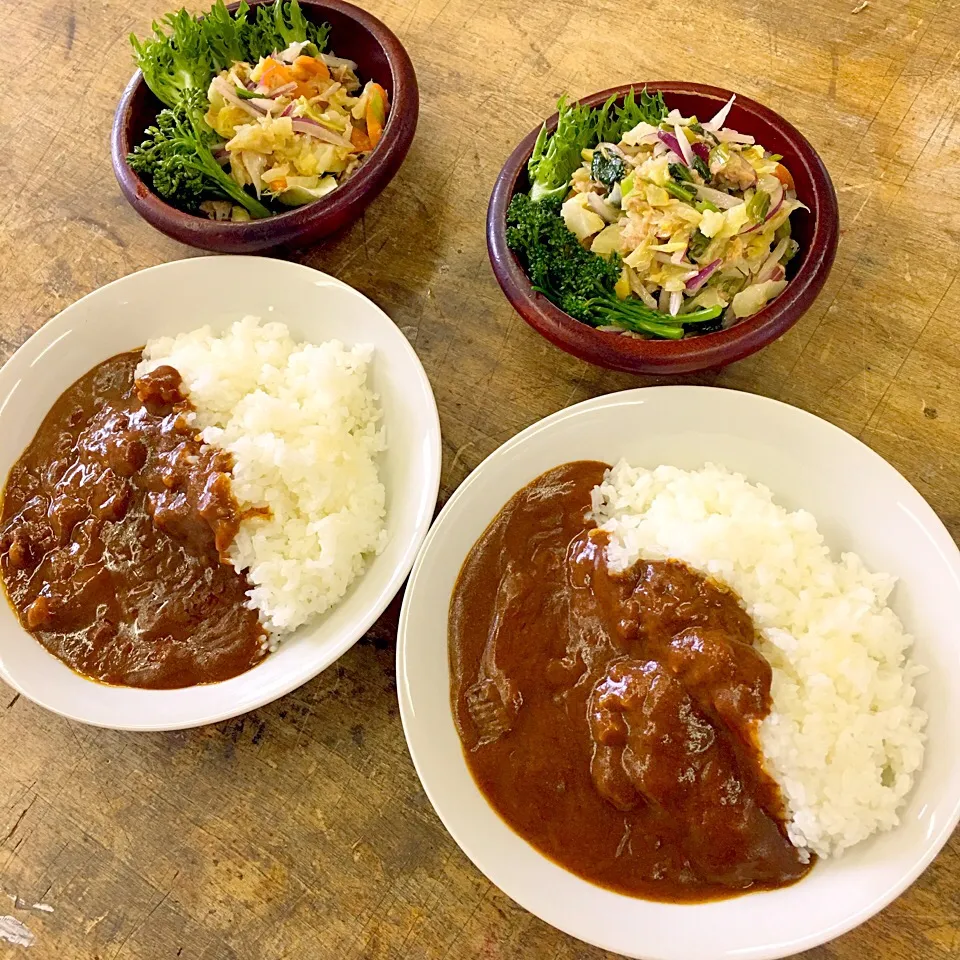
816,232
356,35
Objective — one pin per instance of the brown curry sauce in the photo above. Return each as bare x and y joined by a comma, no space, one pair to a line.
610,719
113,534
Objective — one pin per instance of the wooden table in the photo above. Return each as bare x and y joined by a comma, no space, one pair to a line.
300,831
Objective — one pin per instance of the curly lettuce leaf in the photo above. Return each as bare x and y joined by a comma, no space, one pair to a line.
555,156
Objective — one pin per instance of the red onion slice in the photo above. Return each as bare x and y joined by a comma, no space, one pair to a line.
720,117
279,91
699,279
684,144
701,150
245,105
670,142
313,129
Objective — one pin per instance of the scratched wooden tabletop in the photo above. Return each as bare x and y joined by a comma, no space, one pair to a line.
300,831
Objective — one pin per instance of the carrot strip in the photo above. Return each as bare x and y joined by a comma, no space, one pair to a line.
784,176
376,115
360,140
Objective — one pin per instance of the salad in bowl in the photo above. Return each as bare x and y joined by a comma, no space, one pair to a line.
653,224
259,116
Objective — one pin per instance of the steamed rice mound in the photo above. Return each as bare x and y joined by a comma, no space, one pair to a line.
304,430
844,738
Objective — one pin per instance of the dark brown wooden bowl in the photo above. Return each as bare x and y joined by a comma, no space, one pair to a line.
380,56
817,233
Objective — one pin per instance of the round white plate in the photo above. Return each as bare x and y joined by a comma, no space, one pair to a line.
861,504
175,298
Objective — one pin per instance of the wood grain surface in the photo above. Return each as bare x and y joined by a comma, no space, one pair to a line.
300,831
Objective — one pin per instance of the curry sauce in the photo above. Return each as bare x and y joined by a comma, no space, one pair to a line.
611,718
113,534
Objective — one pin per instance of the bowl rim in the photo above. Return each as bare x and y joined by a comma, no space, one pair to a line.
669,356
32,350
370,178
474,851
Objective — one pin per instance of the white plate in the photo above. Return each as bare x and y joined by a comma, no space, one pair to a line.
174,298
861,503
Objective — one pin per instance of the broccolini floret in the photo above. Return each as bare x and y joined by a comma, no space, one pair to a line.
582,283
176,157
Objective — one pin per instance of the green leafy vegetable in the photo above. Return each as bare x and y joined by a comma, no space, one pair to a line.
279,24
555,156
617,120
697,246
720,155
245,94
185,52
579,282
758,205
700,165
683,192
607,168
177,159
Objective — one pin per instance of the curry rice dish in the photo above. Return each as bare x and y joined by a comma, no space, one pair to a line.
146,532
624,709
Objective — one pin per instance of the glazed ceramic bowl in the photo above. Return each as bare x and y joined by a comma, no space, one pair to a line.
356,35
816,232
861,504
175,298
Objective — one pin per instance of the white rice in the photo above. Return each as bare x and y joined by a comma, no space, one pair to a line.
303,428
844,738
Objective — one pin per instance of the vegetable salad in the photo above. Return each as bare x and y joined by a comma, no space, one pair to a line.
258,117
691,219
295,125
